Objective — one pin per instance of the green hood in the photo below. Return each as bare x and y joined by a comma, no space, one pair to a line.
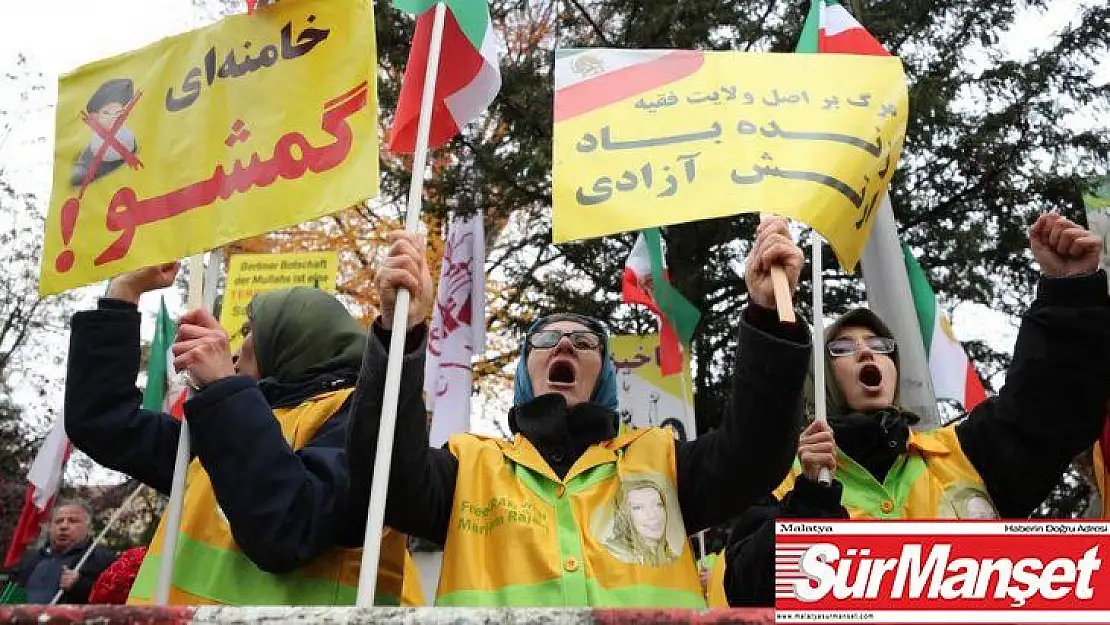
303,332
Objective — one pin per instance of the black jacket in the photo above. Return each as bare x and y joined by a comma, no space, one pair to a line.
1020,441
284,507
719,474
99,560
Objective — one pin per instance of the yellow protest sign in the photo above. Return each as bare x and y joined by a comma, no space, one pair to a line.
251,274
647,397
252,124
654,137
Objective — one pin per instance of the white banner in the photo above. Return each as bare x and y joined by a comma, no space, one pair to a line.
458,329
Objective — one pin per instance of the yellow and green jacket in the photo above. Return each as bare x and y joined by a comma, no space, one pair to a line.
609,534
933,480
571,511
1099,466
1000,460
211,569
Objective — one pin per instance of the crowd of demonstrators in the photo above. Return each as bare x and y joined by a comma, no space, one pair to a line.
53,567
265,518
598,517
284,436
1000,461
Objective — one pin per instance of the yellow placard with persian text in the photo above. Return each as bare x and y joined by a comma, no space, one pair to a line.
654,137
647,397
251,274
253,124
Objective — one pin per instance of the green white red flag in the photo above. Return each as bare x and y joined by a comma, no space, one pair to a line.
469,74
164,391
954,377
831,29
678,318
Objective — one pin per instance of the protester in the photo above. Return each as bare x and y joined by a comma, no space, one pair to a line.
1000,461
53,567
569,512
265,507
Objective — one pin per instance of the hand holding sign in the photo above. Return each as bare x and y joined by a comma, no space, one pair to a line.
773,251
406,267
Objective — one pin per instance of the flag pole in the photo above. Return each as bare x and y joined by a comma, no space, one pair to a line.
825,476
181,462
100,538
687,404
375,513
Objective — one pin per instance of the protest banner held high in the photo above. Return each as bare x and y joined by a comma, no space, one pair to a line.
255,123
656,137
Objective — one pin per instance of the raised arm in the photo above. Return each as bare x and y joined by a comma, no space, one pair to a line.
723,472
421,479
1053,403
103,414
285,507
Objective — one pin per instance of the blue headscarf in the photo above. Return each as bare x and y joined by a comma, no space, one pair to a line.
605,391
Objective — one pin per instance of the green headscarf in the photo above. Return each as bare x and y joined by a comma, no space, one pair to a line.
303,332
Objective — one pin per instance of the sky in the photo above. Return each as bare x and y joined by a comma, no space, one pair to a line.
57,36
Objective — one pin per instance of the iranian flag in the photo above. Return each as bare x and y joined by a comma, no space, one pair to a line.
468,79
830,28
164,391
45,477
953,375
645,282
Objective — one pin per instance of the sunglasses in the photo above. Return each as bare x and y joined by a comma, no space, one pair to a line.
580,339
847,347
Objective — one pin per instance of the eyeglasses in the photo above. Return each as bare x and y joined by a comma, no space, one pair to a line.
847,347
580,339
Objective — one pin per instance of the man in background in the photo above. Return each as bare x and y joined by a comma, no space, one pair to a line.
50,568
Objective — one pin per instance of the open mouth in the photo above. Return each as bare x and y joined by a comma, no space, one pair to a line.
561,372
871,377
